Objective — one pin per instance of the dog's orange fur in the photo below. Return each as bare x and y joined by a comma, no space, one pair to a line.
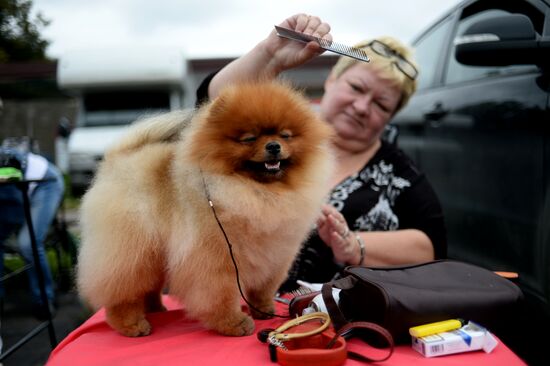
147,224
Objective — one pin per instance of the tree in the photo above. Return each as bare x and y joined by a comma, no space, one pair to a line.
20,38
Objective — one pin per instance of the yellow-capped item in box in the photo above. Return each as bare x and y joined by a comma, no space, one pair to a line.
470,337
434,328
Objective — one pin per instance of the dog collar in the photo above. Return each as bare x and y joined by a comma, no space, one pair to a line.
314,346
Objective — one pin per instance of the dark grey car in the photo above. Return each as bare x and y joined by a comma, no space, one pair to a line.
479,127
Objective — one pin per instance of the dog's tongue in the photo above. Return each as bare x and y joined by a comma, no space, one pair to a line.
272,166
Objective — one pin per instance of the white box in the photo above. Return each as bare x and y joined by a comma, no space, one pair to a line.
470,337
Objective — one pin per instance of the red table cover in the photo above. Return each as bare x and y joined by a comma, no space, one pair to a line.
176,340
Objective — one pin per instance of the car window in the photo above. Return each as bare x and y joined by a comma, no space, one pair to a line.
457,72
428,51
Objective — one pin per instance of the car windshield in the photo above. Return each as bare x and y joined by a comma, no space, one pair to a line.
122,107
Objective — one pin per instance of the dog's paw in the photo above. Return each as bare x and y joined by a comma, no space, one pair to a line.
241,326
141,328
245,327
128,321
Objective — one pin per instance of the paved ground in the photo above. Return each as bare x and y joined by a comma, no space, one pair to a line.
17,319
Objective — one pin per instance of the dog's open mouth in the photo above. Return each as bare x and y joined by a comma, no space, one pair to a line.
270,167
273,166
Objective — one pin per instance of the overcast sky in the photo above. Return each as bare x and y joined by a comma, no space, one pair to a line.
221,28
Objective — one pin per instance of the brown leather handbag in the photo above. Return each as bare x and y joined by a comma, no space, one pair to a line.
398,298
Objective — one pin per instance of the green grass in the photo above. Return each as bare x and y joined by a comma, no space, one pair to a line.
13,262
71,202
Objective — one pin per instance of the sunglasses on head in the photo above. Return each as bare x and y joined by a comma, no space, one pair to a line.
404,65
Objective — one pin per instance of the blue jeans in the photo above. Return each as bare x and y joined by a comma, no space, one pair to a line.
44,200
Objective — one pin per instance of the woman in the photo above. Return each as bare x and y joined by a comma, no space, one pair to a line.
382,210
45,198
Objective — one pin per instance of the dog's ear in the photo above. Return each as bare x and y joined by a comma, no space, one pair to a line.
219,105
222,103
233,103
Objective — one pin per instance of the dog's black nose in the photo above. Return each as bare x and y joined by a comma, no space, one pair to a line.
273,147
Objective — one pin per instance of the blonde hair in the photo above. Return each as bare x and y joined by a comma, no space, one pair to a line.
385,66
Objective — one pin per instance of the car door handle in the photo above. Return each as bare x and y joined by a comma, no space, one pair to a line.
436,113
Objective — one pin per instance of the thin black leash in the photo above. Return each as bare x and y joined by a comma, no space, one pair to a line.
207,192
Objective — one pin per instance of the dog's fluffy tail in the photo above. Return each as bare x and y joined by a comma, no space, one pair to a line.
162,128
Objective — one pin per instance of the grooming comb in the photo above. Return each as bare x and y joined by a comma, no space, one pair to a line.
300,291
332,46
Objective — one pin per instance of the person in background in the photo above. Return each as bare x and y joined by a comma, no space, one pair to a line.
382,210
45,198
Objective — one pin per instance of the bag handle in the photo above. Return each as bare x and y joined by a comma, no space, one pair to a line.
344,328
338,319
347,332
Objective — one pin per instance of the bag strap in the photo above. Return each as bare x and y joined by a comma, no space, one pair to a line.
346,329
338,319
347,332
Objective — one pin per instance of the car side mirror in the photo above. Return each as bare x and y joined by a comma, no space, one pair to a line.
500,41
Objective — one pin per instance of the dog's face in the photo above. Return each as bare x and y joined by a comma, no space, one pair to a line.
264,154
266,132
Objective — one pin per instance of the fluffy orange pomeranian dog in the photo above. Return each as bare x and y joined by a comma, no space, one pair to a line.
259,154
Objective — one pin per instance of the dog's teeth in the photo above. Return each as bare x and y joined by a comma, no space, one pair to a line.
273,166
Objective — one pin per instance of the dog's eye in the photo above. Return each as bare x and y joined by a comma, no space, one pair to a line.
247,137
286,134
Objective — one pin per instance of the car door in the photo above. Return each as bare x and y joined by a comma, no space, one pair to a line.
481,135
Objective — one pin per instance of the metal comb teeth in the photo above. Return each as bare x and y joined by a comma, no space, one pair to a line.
301,291
332,46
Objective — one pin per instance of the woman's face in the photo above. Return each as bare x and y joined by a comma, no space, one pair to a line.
359,104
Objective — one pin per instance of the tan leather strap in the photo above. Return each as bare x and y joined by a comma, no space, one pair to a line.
278,334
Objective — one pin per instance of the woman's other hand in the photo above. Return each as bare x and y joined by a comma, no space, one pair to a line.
334,231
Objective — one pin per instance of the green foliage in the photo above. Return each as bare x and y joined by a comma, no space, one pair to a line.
20,38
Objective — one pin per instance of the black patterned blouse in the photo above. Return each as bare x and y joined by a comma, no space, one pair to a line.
388,193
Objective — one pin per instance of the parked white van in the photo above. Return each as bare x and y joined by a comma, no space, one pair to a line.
114,88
